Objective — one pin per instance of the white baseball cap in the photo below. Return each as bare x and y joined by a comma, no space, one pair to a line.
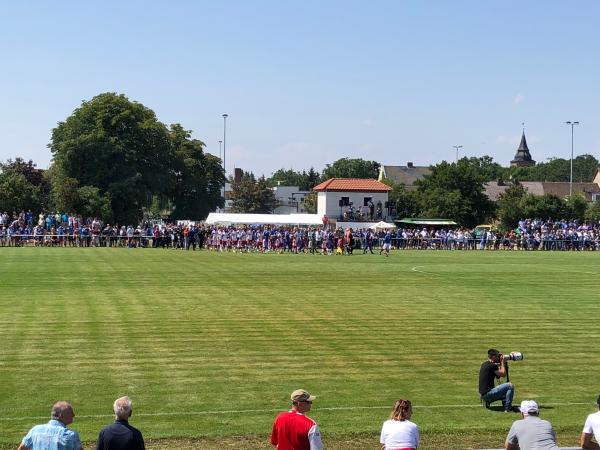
529,406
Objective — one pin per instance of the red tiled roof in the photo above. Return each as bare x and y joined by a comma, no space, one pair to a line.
352,184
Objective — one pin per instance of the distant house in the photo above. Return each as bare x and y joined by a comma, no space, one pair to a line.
338,197
290,199
597,177
591,191
406,175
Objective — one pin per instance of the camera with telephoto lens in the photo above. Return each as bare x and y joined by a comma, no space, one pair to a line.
513,356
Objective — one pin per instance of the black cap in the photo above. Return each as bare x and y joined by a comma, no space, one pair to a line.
598,400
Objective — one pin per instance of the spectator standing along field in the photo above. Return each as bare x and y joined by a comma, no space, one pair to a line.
591,429
531,432
398,432
293,430
120,435
54,435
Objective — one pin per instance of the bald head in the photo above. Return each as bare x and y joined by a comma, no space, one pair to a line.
63,411
122,408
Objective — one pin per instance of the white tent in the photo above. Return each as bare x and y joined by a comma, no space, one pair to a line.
382,226
263,219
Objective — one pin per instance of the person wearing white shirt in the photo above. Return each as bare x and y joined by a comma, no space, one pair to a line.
591,429
398,432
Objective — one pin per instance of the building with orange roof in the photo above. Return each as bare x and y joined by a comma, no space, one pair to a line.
352,199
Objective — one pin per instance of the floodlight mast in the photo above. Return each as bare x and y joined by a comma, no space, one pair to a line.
456,147
572,124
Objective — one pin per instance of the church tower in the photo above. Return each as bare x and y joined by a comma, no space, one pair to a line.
522,157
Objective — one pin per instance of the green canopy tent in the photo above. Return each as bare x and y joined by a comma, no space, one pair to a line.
426,221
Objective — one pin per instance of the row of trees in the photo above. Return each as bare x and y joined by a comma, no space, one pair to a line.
453,190
516,204
342,168
457,191
113,159
254,195
555,169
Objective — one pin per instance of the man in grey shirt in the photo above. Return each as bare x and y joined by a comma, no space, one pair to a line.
531,432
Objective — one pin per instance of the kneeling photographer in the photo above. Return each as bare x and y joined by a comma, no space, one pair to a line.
496,367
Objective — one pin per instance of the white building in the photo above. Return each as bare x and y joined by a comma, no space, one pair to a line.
290,199
352,199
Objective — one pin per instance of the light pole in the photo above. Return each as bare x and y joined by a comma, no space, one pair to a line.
568,122
225,116
457,147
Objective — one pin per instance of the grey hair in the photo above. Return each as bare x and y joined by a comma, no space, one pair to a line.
59,408
122,408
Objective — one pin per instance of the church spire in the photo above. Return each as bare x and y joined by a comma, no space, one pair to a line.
523,156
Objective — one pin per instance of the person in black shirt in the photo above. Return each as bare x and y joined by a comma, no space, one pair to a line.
120,435
495,367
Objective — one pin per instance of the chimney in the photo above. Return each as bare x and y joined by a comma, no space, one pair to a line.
237,175
409,164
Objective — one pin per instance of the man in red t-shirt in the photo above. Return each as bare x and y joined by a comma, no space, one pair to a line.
292,430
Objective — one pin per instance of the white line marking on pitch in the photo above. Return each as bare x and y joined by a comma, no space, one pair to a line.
416,269
243,411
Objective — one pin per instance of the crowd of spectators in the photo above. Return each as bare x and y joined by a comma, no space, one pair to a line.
530,234
294,430
61,229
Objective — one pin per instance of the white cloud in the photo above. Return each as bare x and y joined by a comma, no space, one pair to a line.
518,99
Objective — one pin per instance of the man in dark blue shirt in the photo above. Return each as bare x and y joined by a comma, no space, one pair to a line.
120,435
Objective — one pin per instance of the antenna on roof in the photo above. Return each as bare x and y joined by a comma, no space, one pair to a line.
523,125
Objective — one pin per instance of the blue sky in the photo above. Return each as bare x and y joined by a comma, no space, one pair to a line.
305,83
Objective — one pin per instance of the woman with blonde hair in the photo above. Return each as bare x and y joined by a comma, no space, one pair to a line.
398,432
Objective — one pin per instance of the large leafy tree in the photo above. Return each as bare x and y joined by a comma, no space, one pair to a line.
120,148
509,207
593,212
351,168
547,206
26,185
289,177
198,177
311,202
312,178
250,195
406,202
575,206
455,191
17,194
558,169
488,169
91,203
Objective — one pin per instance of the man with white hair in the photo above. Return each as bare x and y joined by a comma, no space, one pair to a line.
54,435
120,435
531,432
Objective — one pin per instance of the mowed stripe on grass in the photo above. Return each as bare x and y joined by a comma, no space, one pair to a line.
197,332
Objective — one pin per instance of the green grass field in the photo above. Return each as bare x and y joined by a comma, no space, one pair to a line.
209,345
